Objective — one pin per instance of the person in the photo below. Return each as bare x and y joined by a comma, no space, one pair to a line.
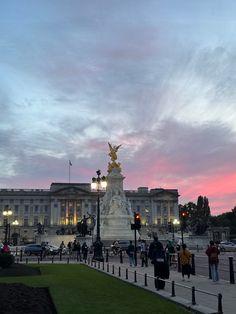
62,246
161,269
130,253
185,260
69,246
85,251
143,253
170,249
5,248
213,252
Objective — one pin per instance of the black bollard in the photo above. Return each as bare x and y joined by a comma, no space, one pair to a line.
193,265
107,256
52,259
135,276
16,251
26,260
220,310
21,253
113,269
145,280
126,274
41,255
231,270
173,289
60,256
121,257
193,296
119,272
38,260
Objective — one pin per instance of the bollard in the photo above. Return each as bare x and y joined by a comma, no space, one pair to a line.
99,265
126,273
77,256
102,265
121,257
193,296
193,265
231,270
113,269
21,253
68,260
52,259
38,260
135,276
173,289
145,280
107,268
156,283
119,272
17,260
197,248
107,255
41,255
16,251
26,260
95,264
220,310
179,265
60,256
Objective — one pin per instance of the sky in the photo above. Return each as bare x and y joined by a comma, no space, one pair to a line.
156,76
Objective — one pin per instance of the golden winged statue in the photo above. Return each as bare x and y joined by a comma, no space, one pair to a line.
113,155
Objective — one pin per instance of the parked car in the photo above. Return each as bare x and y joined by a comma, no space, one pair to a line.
227,246
35,249
53,250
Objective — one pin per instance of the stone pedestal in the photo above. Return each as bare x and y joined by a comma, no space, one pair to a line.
116,215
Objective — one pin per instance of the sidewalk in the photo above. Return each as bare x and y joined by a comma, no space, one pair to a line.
205,302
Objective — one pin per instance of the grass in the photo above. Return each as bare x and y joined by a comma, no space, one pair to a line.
80,289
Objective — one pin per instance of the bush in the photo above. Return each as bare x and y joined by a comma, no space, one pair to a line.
6,260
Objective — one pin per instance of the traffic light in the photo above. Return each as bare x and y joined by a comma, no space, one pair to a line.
137,221
184,217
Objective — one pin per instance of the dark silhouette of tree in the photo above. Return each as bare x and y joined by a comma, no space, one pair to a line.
227,219
200,215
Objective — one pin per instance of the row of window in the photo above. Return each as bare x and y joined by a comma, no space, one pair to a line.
22,201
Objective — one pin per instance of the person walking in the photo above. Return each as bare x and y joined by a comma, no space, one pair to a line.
212,252
185,260
85,251
143,254
130,253
161,269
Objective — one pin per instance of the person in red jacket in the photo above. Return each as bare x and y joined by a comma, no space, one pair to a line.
212,252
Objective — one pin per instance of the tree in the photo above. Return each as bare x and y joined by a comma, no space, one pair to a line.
227,219
200,215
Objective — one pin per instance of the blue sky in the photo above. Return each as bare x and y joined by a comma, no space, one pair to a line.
157,77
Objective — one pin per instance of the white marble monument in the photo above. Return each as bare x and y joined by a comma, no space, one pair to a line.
116,215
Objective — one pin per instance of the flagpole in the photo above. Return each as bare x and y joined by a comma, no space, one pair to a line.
70,164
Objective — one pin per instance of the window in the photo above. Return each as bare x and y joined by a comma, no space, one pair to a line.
31,201
55,205
26,209
11,201
26,222
138,208
45,221
36,220
46,208
21,201
16,208
36,208
41,201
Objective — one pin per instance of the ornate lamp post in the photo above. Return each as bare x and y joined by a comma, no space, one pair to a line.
175,222
98,184
6,213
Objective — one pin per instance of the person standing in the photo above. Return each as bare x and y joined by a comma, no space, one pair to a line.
130,253
212,252
85,251
185,260
143,253
157,255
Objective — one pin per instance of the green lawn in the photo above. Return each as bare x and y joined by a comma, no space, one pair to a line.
80,289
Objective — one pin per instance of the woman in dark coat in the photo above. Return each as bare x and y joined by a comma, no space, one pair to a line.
157,255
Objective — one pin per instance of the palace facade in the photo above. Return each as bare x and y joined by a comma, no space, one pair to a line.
65,204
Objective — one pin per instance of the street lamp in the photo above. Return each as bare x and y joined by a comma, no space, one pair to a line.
15,223
174,223
98,184
6,213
